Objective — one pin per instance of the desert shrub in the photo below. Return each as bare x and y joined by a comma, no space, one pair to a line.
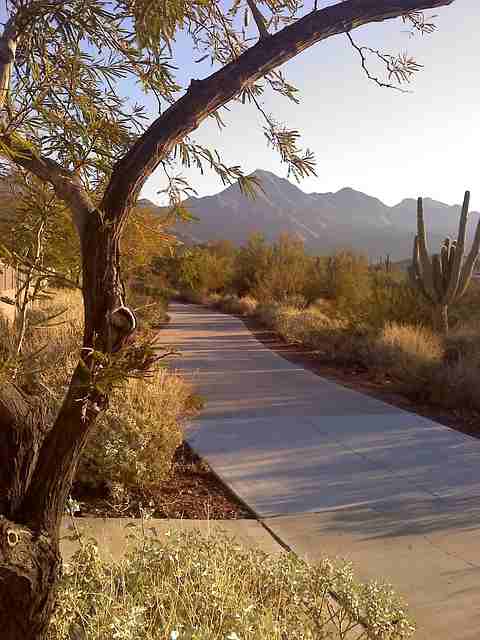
193,297
409,354
203,269
295,300
455,386
323,305
50,348
188,586
462,343
280,272
133,441
348,280
316,279
251,263
7,343
231,303
335,339
392,299
285,274
466,311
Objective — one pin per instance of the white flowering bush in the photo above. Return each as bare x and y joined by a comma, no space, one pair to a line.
134,440
188,586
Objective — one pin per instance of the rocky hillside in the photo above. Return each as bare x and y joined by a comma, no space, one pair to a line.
326,221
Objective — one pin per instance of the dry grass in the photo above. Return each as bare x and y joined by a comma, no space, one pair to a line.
187,586
444,372
335,339
410,354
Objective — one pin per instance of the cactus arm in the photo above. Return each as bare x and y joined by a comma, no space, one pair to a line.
415,274
438,275
425,265
469,264
459,251
445,254
451,258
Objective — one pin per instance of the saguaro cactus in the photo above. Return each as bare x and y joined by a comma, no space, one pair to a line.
443,278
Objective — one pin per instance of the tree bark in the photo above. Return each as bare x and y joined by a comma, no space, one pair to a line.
30,566
29,558
21,435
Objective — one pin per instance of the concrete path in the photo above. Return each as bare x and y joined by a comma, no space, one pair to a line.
115,535
333,472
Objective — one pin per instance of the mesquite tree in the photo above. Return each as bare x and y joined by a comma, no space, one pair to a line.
63,66
444,278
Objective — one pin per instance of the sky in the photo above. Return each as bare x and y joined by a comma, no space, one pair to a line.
379,141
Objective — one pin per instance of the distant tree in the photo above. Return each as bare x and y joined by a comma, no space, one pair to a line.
285,276
348,280
145,237
251,264
64,119
203,269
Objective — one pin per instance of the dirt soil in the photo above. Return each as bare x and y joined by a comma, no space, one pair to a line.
361,379
192,492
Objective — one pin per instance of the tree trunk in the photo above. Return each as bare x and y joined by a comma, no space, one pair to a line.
33,490
440,318
29,560
37,468
30,566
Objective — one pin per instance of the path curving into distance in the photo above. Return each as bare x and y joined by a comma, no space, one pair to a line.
335,473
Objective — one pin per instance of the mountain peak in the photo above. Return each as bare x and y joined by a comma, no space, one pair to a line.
268,176
326,222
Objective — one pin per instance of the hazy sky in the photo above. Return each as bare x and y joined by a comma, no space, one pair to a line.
379,141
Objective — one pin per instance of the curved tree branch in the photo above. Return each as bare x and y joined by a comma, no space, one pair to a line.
67,185
206,96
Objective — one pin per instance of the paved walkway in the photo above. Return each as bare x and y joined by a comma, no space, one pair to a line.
112,534
333,472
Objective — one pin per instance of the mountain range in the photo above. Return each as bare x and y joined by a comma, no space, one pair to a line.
325,221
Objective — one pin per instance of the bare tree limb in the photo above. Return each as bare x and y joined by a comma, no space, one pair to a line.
259,19
402,68
206,96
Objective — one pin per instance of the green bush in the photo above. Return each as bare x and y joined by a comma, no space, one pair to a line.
392,299
348,281
187,586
